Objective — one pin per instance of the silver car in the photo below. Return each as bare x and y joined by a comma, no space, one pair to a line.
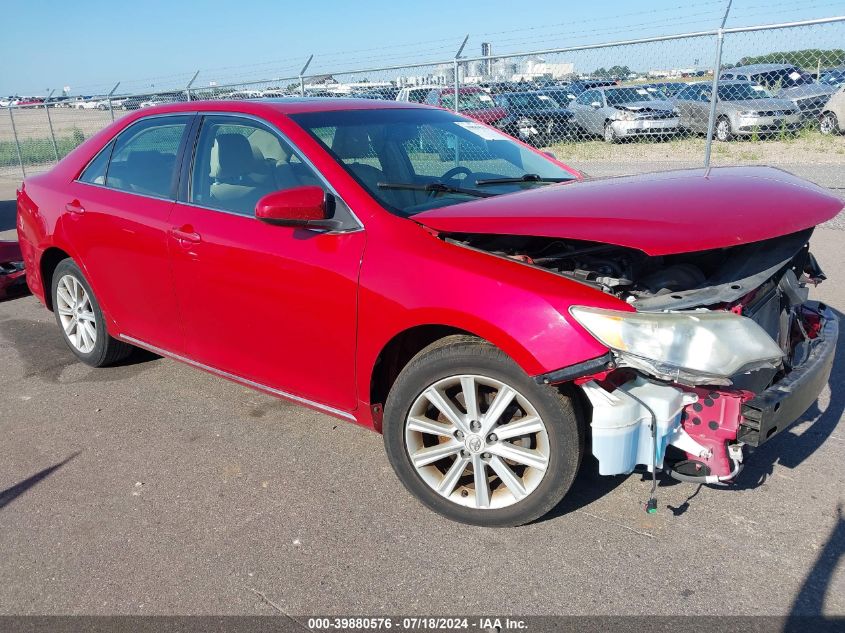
623,111
743,109
788,82
832,119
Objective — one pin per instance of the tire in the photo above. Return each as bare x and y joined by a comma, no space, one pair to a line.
828,124
609,133
723,130
80,318
551,443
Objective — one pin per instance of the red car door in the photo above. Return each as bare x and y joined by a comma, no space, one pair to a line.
118,221
274,305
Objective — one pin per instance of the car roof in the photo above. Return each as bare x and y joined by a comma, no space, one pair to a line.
284,105
757,68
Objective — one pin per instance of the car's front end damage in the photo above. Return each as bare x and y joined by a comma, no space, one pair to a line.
12,273
710,350
723,347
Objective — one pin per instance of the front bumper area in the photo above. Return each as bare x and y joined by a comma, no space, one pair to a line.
647,127
773,410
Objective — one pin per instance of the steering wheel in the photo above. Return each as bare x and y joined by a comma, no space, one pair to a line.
455,171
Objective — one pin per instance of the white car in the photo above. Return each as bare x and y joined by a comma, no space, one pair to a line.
414,94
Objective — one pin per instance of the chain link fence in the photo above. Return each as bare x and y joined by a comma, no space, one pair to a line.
770,94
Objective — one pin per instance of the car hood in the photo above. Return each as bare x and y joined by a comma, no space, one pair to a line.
806,90
659,214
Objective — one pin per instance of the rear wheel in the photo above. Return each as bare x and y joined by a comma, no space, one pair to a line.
81,320
828,123
476,439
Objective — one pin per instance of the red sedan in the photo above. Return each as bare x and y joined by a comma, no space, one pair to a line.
422,274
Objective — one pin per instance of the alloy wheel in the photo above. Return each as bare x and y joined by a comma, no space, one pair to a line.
723,130
477,441
827,125
76,314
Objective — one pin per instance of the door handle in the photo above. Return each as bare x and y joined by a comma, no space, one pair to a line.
186,234
75,207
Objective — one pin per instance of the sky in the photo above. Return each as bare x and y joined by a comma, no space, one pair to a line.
90,45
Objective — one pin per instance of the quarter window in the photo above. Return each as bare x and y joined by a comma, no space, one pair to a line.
95,172
238,161
144,156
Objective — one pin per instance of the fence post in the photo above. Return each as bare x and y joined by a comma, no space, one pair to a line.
50,123
714,90
111,110
191,83
301,76
17,143
457,74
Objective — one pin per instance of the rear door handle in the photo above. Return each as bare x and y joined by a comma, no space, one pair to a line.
186,234
74,207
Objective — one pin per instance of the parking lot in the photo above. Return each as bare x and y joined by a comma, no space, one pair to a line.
153,488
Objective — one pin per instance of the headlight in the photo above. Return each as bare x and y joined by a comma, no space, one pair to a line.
748,113
690,347
626,115
676,112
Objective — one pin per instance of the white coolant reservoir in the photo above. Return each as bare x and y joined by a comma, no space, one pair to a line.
622,424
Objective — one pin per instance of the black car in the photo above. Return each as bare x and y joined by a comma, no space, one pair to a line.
534,117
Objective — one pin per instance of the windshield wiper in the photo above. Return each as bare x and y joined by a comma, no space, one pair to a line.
438,187
523,178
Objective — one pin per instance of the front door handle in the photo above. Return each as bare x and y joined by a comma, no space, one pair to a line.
75,207
186,234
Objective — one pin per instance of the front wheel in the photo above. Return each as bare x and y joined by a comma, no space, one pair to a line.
828,123
609,133
476,439
81,320
723,130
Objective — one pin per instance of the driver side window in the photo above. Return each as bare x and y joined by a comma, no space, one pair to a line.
238,161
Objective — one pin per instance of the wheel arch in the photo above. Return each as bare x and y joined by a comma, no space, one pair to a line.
398,352
50,259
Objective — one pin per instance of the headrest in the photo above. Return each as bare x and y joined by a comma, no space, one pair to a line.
234,156
352,142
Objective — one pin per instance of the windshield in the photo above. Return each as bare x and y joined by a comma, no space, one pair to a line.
467,101
627,95
398,154
743,92
528,101
833,78
783,78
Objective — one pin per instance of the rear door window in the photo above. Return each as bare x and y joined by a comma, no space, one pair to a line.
144,156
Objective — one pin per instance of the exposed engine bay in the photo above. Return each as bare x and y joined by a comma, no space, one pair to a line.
671,282
638,411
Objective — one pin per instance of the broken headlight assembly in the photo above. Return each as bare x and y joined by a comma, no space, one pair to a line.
695,348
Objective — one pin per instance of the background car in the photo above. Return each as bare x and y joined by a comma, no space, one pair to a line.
563,95
624,112
472,102
12,272
787,81
664,90
534,117
580,85
743,109
833,76
414,94
832,118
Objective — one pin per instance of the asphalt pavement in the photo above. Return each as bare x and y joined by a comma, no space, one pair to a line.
154,488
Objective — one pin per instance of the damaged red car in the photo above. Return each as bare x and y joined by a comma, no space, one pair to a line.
12,273
494,314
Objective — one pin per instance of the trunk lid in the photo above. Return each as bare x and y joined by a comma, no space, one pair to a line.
659,214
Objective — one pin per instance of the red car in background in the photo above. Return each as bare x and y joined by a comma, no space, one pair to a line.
472,102
12,273
489,312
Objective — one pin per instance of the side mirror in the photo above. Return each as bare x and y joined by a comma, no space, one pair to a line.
306,207
596,105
